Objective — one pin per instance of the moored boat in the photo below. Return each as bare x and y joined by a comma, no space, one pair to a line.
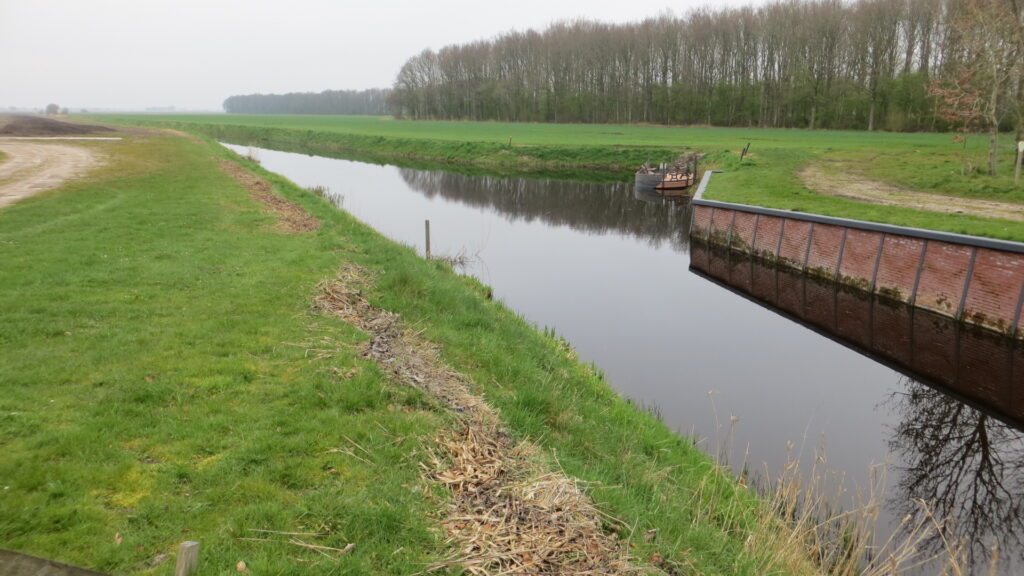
666,178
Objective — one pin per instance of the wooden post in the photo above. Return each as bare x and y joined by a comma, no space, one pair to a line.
426,225
188,559
1020,157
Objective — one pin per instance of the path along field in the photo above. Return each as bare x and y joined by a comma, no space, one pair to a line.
29,167
842,180
770,176
168,375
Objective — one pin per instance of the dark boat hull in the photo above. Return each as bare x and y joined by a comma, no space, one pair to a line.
659,181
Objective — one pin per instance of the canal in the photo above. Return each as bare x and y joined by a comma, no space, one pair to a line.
609,270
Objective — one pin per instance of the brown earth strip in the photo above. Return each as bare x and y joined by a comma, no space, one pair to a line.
181,134
508,513
20,125
847,183
292,218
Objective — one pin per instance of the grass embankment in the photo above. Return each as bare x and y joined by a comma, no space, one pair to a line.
166,378
924,162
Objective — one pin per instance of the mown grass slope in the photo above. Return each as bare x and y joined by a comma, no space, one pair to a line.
164,377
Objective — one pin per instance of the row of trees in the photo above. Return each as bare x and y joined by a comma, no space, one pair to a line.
865,64
373,101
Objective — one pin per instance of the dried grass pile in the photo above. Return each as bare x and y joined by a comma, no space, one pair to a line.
509,514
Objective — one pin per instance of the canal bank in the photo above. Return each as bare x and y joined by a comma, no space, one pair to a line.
608,270
166,376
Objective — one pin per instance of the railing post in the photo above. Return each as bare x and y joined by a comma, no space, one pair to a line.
920,268
810,240
778,247
1016,315
753,241
967,284
732,228
839,260
878,260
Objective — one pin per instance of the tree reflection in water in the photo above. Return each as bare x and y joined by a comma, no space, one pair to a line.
586,206
968,465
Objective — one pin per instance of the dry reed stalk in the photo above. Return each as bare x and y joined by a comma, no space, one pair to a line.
801,520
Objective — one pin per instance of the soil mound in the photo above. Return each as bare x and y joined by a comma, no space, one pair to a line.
18,125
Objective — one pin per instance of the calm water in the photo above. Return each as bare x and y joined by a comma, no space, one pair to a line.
610,272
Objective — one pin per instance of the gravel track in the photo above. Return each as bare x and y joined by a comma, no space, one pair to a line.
32,167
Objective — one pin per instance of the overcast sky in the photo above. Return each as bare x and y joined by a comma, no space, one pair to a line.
192,54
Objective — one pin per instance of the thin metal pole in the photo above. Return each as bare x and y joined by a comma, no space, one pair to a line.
778,247
426,227
810,240
920,268
967,284
878,260
839,261
753,241
732,228
1016,313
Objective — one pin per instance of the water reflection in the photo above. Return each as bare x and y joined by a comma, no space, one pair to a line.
957,439
584,206
968,465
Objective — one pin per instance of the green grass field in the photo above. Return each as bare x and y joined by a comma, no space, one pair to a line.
924,162
165,378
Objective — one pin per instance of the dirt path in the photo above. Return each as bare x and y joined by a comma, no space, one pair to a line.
32,167
845,182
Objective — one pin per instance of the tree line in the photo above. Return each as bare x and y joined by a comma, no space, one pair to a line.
863,64
372,102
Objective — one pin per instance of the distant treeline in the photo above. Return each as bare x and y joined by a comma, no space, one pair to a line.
861,64
372,102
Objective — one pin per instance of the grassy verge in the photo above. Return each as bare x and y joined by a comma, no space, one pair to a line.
164,378
153,390
926,162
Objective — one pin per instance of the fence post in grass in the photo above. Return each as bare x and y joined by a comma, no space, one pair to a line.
426,226
188,559
1020,156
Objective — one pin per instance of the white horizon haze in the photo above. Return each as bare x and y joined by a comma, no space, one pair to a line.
192,54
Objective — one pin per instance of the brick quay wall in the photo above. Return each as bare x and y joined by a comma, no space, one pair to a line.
975,280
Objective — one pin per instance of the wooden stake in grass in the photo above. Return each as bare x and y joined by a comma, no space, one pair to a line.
188,559
426,226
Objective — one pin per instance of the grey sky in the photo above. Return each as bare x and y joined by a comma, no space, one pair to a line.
194,53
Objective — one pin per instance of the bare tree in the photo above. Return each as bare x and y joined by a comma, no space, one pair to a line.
989,33
808,63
